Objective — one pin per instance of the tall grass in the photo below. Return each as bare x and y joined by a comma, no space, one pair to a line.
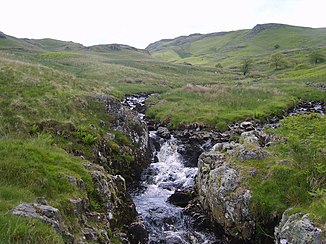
295,175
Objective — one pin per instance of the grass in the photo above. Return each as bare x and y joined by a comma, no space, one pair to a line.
228,49
30,169
49,110
295,175
221,104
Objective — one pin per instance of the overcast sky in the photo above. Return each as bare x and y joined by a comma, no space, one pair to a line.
140,22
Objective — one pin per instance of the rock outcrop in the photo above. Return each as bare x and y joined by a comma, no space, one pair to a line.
219,186
108,207
221,193
2,35
46,213
129,124
163,132
298,229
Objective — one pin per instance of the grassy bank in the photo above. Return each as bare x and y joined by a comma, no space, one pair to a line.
294,175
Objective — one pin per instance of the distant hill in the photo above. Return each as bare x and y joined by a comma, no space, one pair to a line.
9,43
227,48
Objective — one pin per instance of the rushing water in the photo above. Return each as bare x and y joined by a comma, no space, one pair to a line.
167,173
165,222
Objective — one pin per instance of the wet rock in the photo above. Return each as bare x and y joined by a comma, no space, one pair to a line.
163,132
181,198
307,107
137,233
190,153
298,228
247,126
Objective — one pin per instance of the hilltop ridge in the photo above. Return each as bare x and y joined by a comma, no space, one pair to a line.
227,48
53,45
159,45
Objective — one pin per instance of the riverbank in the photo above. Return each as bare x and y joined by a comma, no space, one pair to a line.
237,150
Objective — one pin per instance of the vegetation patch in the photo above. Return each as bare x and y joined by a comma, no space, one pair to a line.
295,175
30,169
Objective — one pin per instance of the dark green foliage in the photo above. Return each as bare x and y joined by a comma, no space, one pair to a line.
277,60
246,66
85,136
316,57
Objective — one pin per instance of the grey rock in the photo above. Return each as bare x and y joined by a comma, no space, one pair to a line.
126,121
90,234
79,206
220,192
298,229
45,213
249,138
247,125
226,146
2,35
111,190
248,154
163,132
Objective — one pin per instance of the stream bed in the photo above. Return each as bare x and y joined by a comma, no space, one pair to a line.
165,222
170,172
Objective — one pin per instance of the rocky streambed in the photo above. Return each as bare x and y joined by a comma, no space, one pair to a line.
192,191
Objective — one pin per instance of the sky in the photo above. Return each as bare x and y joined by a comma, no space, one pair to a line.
140,22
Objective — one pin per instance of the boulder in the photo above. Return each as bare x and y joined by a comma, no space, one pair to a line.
181,198
45,213
163,132
137,233
298,229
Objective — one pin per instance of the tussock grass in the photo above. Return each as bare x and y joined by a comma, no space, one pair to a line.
295,175
220,105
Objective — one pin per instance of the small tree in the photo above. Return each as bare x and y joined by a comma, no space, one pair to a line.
316,57
246,66
277,46
277,60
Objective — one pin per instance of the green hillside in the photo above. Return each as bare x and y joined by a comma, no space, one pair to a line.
228,48
51,112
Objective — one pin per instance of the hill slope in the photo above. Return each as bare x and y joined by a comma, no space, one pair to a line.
54,118
227,48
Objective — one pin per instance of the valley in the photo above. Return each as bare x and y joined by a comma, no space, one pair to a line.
70,151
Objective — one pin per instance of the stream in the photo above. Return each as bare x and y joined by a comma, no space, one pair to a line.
170,172
165,222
